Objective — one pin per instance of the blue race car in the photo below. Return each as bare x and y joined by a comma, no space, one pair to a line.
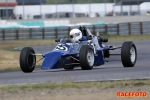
82,49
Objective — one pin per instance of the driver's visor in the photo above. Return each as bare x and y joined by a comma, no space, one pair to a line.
71,36
75,35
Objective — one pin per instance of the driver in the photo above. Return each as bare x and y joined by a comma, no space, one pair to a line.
76,34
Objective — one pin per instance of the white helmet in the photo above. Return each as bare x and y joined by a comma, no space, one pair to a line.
75,34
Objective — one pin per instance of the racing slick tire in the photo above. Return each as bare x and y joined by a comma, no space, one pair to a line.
67,60
128,54
27,60
86,57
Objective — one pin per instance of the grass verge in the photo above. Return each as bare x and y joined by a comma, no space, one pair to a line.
109,84
127,37
9,59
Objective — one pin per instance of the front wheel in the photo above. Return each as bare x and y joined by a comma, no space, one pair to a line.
86,57
27,60
128,54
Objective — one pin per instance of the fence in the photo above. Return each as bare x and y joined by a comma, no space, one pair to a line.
63,32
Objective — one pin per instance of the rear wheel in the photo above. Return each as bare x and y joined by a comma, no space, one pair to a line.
86,57
27,60
128,54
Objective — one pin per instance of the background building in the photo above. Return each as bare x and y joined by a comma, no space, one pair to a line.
31,2
130,7
33,9
61,11
6,8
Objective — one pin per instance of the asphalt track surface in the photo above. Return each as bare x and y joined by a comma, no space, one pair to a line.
113,70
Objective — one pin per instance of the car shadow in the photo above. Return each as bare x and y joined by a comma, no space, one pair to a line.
79,69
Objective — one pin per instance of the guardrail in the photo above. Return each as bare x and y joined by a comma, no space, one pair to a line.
63,32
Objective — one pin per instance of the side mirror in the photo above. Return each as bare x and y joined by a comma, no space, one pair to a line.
57,40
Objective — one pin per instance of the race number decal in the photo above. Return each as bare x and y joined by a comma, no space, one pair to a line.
61,47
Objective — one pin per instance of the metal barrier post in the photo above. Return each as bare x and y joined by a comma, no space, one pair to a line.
43,33
106,27
17,35
3,34
141,28
30,33
129,27
56,32
118,29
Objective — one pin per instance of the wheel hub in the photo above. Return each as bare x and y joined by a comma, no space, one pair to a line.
132,54
90,57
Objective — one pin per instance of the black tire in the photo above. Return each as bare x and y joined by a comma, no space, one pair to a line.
67,60
83,53
128,58
27,61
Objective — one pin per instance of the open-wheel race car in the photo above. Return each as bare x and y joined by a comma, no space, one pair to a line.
81,50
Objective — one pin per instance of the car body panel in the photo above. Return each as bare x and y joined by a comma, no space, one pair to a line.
52,60
99,59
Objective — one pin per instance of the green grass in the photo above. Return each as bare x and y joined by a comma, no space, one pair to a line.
110,84
10,69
